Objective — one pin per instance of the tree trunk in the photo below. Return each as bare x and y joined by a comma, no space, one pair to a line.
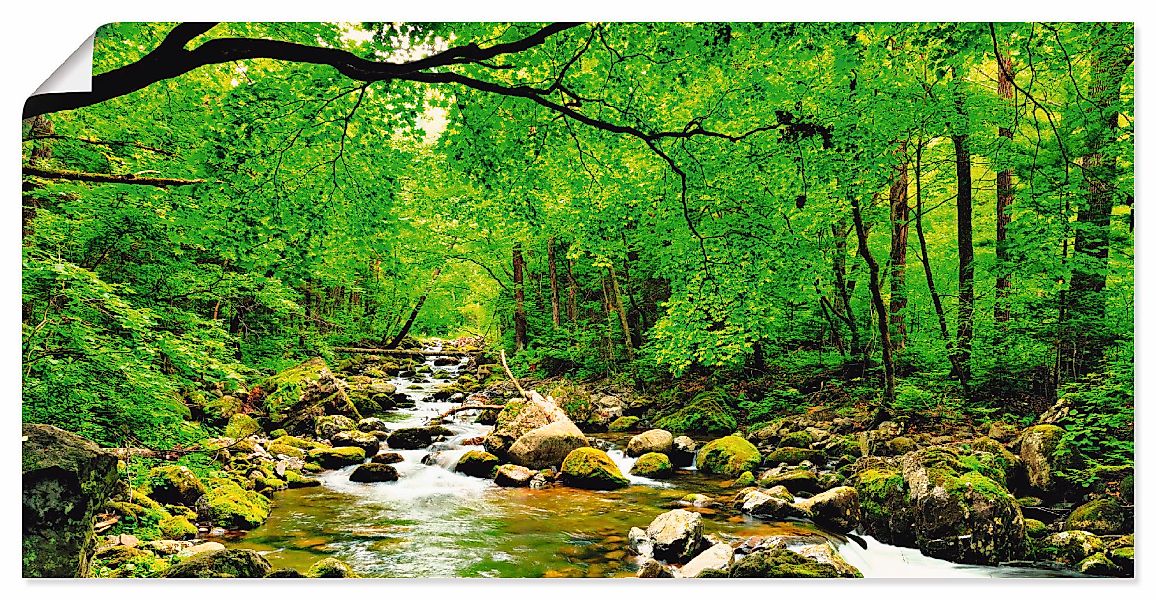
571,293
617,296
555,310
519,299
963,332
413,313
900,213
845,289
1005,194
880,310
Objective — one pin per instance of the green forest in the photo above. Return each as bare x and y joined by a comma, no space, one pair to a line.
913,238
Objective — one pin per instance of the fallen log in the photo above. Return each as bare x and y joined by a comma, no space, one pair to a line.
465,407
396,352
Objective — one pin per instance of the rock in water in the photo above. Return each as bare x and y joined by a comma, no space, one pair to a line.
328,426
514,476
296,397
780,563
222,563
718,557
654,440
330,568
730,455
373,473
1103,516
652,569
365,441
652,464
592,469
477,463
414,438
519,417
682,451
333,458
66,480
836,509
546,446
388,458
675,536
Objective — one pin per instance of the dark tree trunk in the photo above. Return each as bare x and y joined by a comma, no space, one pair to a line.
413,313
963,332
880,310
571,293
555,309
843,307
617,300
1005,195
519,298
900,213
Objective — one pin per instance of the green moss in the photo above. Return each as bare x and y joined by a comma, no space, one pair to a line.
798,439
330,568
623,424
653,464
174,484
229,505
901,445
877,488
276,448
1036,529
297,480
779,563
177,528
276,433
241,425
591,468
978,482
704,414
730,455
1104,516
794,456
332,458
746,479
296,442
478,463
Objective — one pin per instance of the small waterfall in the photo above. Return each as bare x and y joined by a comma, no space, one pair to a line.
625,463
884,560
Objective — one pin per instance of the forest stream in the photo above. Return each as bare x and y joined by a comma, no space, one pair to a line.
434,522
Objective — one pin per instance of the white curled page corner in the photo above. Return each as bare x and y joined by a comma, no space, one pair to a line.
74,74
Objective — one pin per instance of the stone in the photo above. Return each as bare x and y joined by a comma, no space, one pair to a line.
199,549
230,505
652,569
373,473
546,446
510,475
334,458
1098,564
653,440
825,554
1071,547
174,484
517,418
796,480
730,455
717,557
177,528
1103,516
794,456
639,542
746,479
762,504
359,439
299,397
414,438
591,468
1039,450
241,425
327,426
371,424
477,463
777,562
622,424
66,481
676,535
654,465
222,563
682,451
387,458
836,509
330,568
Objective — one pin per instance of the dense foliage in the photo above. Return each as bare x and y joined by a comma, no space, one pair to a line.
939,214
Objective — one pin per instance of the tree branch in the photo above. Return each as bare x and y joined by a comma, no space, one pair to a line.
108,178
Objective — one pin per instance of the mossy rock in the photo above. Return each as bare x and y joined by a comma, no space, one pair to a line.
330,568
798,439
1029,501
1098,564
796,480
231,506
1044,455
592,468
241,425
334,458
779,563
901,445
297,480
794,456
177,528
704,414
623,424
373,473
746,479
174,484
218,410
414,438
222,563
655,465
297,442
327,426
478,463
1104,516
268,485
1036,529
284,449
276,433
730,455
1071,547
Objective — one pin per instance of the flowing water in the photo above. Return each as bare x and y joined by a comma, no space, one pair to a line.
434,522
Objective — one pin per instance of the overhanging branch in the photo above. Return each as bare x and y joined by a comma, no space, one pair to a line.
108,178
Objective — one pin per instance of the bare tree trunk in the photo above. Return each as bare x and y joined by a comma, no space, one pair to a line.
845,289
621,312
880,311
1005,195
900,213
413,313
554,303
519,299
963,231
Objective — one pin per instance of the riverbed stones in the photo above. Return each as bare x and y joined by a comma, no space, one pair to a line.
478,463
654,465
1103,516
546,446
200,549
371,424
353,437
335,458
328,426
591,468
652,569
373,473
762,504
174,484
387,458
825,554
66,480
730,455
330,568
222,563
517,418
297,397
682,451
414,438
229,505
653,440
836,509
718,557
675,536
777,562
797,480
1039,449
623,424
1070,547
510,475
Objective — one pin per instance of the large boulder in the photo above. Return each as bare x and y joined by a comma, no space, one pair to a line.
297,396
519,417
231,506
334,458
330,568
327,426
66,480
704,414
359,439
222,563
174,484
509,475
478,463
373,473
682,451
797,480
836,509
654,440
1040,450
771,506
593,469
778,562
546,446
1071,547
716,558
655,465
1103,516
675,536
730,455
414,438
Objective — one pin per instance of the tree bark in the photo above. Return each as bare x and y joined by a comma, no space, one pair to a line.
571,293
413,313
880,310
900,213
621,313
843,307
519,298
1005,195
963,213
107,178
555,309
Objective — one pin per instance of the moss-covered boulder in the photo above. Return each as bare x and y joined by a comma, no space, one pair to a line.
297,442
1098,564
654,465
1043,455
779,563
478,463
174,484
242,425
66,481
519,417
296,480
231,506
794,456
365,441
177,528
373,473
279,449
623,424
705,414
591,468
546,446
798,481
1070,547
836,509
217,410
414,438
222,563
796,439
653,440
335,458
387,458
745,479
327,426
330,568
1104,516
509,475
730,455
1036,529
296,397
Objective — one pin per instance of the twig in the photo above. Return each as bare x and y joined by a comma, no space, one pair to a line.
511,375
